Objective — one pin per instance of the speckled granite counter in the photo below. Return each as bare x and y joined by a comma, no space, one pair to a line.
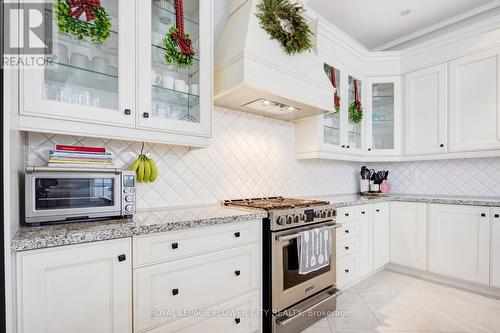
354,200
31,238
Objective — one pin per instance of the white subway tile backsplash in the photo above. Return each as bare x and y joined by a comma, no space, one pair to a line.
249,156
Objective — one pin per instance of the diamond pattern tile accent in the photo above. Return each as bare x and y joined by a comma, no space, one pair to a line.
249,156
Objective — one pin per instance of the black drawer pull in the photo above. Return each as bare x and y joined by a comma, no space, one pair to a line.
145,115
369,149
128,112
175,246
441,145
377,210
237,234
237,273
346,270
237,320
175,291
347,214
483,215
343,146
122,257
363,213
346,231
497,216
346,247
348,147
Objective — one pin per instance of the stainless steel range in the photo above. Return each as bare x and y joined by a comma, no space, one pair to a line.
293,301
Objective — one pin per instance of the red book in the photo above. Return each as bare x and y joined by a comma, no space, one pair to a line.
81,149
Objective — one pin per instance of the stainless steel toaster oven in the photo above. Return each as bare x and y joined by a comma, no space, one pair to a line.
78,194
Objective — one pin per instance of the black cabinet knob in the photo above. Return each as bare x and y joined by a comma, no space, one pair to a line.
237,320
175,246
346,270
347,231
348,147
377,210
441,145
237,273
122,257
369,149
237,234
363,213
128,112
497,216
347,247
175,291
343,146
483,215
347,214
145,114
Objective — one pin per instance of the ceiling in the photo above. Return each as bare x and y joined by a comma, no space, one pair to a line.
376,23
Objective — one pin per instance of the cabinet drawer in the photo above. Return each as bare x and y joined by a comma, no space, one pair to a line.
347,247
347,269
347,231
347,214
161,291
235,316
175,245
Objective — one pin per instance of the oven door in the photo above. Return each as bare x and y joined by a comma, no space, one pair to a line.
288,286
66,196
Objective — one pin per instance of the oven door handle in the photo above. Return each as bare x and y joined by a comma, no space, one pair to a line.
285,320
293,236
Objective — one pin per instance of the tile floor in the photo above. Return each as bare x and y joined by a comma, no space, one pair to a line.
390,302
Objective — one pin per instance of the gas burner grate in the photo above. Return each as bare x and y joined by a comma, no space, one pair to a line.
273,203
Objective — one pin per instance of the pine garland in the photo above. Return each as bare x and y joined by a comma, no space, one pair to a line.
97,32
283,20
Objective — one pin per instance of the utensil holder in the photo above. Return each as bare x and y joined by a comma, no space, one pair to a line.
364,185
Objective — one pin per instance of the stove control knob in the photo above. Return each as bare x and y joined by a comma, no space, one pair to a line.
303,217
317,214
323,213
330,213
289,219
281,220
295,219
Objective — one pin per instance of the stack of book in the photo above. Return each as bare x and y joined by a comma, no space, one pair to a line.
80,156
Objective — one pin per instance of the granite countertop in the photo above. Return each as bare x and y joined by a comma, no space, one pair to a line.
143,223
354,200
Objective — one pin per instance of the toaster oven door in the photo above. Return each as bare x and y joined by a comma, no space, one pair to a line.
72,196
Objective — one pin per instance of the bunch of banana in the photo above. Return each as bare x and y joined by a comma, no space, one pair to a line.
145,169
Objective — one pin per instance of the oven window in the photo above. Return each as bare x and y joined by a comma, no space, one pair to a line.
63,193
291,276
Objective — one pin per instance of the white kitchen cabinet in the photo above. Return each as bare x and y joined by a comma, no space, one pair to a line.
474,102
408,234
495,248
365,239
81,289
381,241
425,111
459,242
383,115
110,91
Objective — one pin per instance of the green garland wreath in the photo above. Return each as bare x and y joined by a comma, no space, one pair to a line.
97,32
172,51
283,20
356,112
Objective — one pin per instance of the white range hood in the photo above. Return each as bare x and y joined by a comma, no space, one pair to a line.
254,74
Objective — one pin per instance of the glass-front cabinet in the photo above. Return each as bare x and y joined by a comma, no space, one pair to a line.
383,116
332,132
354,128
172,97
86,81
126,81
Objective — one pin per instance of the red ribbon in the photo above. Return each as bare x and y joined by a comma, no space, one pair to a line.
83,6
336,97
356,94
180,38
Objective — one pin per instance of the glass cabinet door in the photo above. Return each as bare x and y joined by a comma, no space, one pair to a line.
331,121
354,136
383,113
175,97
86,80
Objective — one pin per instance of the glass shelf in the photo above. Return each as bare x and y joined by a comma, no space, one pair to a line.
160,88
79,69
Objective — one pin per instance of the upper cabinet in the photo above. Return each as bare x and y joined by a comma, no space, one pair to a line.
355,128
425,111
383,115
124,88
474,102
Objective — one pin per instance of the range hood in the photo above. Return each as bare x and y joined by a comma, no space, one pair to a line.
254,74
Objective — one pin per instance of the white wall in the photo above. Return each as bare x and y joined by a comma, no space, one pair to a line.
249,156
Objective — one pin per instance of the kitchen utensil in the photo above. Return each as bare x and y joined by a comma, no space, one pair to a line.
363,170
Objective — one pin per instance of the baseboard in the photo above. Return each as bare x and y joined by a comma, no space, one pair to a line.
469,286
360,279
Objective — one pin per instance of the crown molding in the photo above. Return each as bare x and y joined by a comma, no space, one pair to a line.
440,25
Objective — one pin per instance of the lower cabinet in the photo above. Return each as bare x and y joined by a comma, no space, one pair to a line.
212,289
495,248
459,242
408,229
380,235
79,289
